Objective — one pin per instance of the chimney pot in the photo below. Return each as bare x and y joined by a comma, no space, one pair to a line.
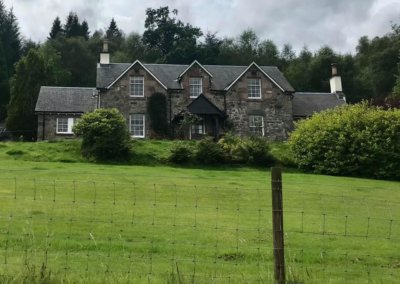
105,46
334,69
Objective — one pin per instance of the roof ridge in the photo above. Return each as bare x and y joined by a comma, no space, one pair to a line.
63,87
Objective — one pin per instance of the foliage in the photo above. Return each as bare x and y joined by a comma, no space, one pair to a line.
208,152
252,151
104,135
181,153
355,140
157,111
187,120
56,29
25,85
174,39
10,53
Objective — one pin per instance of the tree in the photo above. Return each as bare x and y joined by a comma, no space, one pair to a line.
85,30
114,36
210,49
104,135
10,53
25,85
174,39
72,27
157,110
56,29
355,140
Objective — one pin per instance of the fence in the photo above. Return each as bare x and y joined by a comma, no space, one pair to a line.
151,230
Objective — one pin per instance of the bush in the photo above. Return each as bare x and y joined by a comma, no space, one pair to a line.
209,153
104,135
259,151
181,153
157,110
234,148
355,140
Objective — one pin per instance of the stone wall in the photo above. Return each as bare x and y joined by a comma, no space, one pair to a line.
274,106
50,126
119,97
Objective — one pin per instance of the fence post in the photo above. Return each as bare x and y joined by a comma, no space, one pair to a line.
277,225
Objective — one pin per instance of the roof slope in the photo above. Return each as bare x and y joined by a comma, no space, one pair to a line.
66,99
223,75
306,103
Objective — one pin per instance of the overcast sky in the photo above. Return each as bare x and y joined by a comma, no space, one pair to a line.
338,23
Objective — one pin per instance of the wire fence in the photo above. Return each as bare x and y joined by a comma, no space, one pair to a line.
157,232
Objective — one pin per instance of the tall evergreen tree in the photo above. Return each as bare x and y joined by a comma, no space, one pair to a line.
72,26
85,30
25,85
115,36
56,29
11,52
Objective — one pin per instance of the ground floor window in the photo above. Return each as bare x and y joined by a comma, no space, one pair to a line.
197,129
64,125
256,125
137,125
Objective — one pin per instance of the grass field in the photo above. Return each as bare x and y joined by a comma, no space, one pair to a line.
70,221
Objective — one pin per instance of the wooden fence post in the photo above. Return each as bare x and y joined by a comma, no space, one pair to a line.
277,225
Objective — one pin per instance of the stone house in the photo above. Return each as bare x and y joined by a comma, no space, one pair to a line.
246,100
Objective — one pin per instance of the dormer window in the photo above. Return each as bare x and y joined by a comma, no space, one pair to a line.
136,86
196,86
254,88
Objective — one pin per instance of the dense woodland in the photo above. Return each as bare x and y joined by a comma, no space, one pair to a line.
69,56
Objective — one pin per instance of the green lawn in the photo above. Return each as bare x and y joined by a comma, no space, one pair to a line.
83,222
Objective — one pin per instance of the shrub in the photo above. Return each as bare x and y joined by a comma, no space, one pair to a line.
157,110
209,153
181,153
234,148
259,151
104,135
355,140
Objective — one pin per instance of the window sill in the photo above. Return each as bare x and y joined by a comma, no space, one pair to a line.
136,97
140,137
64,133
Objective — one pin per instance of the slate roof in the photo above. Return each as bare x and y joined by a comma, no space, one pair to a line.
66,99
223,75
202,105
306,103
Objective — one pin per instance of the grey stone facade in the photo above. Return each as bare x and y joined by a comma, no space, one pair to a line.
274,105
47,126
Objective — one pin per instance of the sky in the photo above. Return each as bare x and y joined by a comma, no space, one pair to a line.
312,23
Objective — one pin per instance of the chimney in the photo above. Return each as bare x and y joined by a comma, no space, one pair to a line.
336,81
105,55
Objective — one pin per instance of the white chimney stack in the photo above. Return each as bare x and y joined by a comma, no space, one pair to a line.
104,55
336,80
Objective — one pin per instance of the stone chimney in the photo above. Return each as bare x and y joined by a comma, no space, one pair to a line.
336,80
105,55
336,83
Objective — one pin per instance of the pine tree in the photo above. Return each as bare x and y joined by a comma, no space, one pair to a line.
72,27
30,74
113,32
56,29
10,53
85,30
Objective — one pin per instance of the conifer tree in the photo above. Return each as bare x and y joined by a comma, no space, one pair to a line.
56,29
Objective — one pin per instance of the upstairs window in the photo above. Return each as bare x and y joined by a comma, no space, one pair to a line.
196,86
136,86
137,125
256,125
254,88
64,125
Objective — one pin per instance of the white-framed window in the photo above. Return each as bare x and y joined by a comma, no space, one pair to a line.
197,129
254,88
256,125
137,125
64,125
136,86
196,86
